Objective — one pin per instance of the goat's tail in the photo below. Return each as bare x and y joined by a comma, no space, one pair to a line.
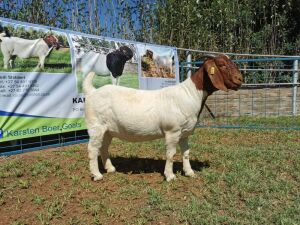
88,83
2,35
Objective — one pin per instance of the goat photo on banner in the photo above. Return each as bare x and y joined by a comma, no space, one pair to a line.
114,62
159,66
27,49
37,85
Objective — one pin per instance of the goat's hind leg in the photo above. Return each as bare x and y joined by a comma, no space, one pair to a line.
41,64
95,144
104,154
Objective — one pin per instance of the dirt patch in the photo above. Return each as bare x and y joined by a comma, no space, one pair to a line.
54,187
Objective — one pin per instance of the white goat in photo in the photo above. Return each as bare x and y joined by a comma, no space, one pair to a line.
13,47
111,64
163,63
138,115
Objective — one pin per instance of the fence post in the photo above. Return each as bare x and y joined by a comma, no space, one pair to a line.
189,65
295,84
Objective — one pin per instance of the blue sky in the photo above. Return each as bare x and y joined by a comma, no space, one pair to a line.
106,8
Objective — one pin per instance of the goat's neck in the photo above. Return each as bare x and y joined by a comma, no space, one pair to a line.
201,87
199,96
191,88
202,82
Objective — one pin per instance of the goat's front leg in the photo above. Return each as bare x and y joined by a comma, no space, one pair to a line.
117,81
6,62
171,142
184,146
113,80
42,62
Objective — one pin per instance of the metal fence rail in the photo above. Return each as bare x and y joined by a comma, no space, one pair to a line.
42,142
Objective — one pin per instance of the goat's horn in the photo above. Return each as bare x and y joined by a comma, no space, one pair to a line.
209,56
226,56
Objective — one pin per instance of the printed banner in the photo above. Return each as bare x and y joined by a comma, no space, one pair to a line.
159,66
42,70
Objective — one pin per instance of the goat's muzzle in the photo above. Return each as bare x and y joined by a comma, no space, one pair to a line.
236,82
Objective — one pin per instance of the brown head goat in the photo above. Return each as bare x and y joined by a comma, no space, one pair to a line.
138,115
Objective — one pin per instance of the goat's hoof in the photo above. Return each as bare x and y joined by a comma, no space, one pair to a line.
190,173
95,178
170,177
111,170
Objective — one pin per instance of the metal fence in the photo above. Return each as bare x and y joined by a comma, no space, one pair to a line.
42,142
269,98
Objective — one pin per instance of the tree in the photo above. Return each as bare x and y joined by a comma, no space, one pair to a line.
241,26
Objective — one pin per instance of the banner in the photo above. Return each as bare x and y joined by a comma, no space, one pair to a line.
42,70
158,67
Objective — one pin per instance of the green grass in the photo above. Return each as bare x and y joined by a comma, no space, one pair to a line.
242,177
57,62
288,122
126,80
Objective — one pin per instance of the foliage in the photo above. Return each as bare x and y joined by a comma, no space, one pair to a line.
242,26
261,27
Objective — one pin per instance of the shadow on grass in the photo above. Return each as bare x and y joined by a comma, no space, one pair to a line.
57,65
136,165
28,68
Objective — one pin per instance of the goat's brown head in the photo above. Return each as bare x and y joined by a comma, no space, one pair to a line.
52,41
218,73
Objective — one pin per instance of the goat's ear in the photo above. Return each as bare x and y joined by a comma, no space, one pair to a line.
215,75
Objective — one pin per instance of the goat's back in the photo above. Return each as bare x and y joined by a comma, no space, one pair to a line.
96,62
24,48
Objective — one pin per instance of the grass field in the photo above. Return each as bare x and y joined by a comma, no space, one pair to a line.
126,80
243,177
288,122
59,61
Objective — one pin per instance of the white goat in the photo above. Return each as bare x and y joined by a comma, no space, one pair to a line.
12,47
163,62
111,64
138,115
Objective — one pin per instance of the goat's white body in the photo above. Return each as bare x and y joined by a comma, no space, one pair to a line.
137,115
23,48
96,62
